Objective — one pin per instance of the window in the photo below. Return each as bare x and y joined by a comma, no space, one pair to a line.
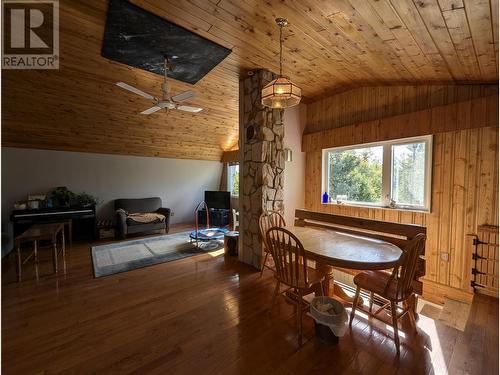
356,175
408,174
393,173
233,182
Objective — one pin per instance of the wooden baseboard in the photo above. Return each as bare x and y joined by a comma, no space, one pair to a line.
488,292
435,292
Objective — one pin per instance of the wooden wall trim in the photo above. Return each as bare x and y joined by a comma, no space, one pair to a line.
435,292
474,113
230,156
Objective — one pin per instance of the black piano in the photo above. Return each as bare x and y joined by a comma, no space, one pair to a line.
83,220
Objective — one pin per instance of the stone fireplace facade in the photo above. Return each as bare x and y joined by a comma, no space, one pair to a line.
262,163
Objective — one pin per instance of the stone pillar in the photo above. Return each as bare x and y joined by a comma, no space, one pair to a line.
261,163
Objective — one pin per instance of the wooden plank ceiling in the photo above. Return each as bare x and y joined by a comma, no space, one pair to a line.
330,46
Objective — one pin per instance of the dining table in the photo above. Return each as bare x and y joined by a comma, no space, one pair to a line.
331,248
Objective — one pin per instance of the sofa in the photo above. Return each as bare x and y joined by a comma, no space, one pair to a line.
140,215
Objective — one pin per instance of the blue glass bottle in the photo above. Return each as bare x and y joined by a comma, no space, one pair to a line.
325,197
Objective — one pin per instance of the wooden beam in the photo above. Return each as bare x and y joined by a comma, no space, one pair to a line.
230,156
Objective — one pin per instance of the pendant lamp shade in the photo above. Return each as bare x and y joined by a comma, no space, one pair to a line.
281,92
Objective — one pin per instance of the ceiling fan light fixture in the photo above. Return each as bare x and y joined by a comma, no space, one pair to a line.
167,102
281,92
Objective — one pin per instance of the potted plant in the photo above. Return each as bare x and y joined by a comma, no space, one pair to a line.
62,197
85,200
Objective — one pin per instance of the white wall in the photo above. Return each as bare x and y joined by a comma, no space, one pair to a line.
179,183
294,190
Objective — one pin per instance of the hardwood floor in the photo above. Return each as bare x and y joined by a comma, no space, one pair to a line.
205,315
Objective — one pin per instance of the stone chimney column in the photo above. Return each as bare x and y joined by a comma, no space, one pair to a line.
262,164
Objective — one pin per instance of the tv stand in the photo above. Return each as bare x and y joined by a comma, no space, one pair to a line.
219,217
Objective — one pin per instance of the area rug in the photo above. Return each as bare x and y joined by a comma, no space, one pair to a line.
128,255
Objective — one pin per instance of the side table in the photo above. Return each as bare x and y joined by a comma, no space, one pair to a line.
37,233
231,242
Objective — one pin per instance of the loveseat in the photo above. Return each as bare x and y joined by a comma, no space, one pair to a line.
140,215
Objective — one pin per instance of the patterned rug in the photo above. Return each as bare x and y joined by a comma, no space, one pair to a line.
128,255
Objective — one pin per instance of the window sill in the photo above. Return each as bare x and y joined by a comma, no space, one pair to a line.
422,211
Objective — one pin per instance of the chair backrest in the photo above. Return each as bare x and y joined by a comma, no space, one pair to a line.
289,257
269,219
405,272
141,205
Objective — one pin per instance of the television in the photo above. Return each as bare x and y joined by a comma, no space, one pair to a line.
218,199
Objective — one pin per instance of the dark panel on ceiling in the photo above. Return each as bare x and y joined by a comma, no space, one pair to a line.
141,39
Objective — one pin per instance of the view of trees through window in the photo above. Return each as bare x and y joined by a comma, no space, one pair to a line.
408,174
356,174
234,179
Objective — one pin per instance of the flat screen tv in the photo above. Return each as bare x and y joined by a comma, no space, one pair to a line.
218,199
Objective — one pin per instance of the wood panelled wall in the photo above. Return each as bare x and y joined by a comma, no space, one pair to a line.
474,113
372,103
464,191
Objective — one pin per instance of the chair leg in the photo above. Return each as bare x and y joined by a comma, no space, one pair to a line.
371,301
395,325
321,290
275,294
263,264
354,304
411,316
63,245
299,316
54,255
19,263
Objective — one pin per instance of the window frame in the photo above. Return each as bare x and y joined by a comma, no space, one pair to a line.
387,171
230,180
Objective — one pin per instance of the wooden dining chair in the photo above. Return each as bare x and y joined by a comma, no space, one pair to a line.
394,287
268,219
291,270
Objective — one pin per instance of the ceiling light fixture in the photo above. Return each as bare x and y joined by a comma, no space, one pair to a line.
281,92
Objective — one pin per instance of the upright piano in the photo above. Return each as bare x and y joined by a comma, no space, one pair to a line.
83,220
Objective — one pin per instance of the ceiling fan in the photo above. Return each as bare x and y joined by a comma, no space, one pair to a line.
167,101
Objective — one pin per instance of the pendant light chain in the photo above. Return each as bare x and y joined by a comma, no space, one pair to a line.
281,50
280,93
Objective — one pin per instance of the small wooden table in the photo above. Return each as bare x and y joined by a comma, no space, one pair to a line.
37,233
343,250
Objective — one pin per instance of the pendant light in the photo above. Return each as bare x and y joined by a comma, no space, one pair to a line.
281,92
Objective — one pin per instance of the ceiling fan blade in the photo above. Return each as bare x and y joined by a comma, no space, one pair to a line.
183,96
151,110
125,86
187,108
